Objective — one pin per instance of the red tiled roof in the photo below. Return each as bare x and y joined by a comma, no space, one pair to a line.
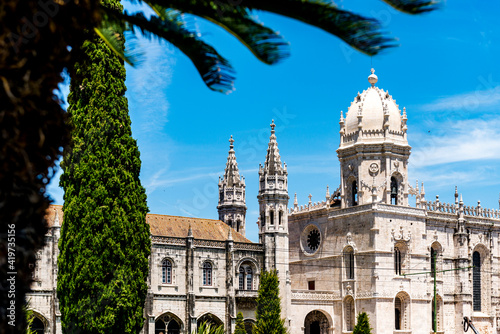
173,226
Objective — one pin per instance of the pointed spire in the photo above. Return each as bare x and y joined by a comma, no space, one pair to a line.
273,159
327,195
231,173
422,193
296,203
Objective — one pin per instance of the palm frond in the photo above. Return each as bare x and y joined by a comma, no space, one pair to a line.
413,6
361,33
267,45
214,69
111,40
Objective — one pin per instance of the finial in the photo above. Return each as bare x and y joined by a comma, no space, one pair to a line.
231,141
310,197
372,79
404,112
272,126
190,231
341,116
295,202
327,192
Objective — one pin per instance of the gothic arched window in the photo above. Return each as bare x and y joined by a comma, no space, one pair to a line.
476,281
398,260
394,191
166,271
354,190
349,263
249,278
271,217
207,273
241,278
349,315
280,219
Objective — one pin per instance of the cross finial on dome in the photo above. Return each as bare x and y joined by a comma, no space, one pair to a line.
272,126
372,79
231,141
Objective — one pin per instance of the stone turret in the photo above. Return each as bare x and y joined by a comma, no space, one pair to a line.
232,208
374,149
273,222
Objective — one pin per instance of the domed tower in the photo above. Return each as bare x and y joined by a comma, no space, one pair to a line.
232,208
374,149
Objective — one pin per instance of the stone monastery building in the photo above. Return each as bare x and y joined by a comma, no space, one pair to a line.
335,259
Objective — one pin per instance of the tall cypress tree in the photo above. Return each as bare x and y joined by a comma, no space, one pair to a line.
105,244
268,313
240,324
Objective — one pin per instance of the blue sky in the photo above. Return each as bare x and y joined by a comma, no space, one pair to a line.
445,72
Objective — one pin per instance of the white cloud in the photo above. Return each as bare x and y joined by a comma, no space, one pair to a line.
468,102
468,140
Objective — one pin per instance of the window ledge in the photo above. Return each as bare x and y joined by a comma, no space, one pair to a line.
402,331
168,287
208,287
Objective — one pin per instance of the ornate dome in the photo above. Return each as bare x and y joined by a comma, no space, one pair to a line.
376,114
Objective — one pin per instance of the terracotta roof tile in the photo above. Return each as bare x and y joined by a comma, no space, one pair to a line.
173,226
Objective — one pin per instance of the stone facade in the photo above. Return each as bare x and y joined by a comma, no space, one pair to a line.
363,248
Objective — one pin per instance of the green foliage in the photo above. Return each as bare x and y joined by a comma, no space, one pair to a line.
268,313
209,328
30,316
105,243
240,324
362,325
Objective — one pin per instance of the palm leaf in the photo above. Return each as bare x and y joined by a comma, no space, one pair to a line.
413,6
267,45
214,69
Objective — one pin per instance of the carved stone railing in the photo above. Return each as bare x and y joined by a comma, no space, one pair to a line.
474,211
247,293
168,240
308,207
248,247
209,243
315,295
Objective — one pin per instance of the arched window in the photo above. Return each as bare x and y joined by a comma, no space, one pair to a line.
230,223
349,315
399,258
354,190
437,305
476,281
166,272
433,260
397,313
207,273
401,311
349,263
394,191
173,327
245,276
280,219
271,217
241,278
249,278
238,223
37,326
160,327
